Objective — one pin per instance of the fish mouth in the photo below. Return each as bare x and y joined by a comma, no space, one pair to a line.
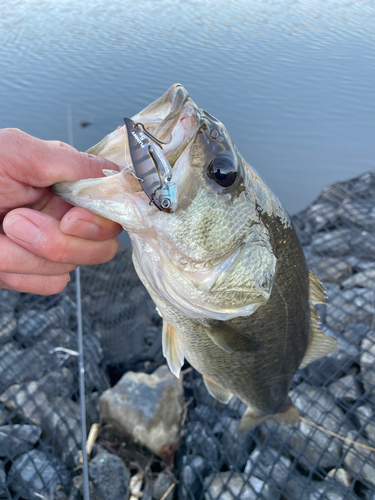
174,120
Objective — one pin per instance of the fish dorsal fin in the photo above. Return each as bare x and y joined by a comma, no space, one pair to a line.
320,344
230,337
216,391
317,292
172,349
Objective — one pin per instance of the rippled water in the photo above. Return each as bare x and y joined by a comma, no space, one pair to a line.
293,81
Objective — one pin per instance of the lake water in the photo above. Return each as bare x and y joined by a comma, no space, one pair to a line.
293,81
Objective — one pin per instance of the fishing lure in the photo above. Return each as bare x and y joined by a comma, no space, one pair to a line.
151,167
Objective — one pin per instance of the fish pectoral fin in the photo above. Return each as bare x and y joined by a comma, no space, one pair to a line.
172,349
230,338
216,391
249,420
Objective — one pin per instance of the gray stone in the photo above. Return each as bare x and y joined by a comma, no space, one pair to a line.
161,485
17,439
199,440
360,213
33,473
330,268
351,306
3,478
109,478
17,365
27,400
318,215
368,363
355,333
61,423
234,447
359,461
8,301
147,407
4,417
346,388
8,326
333,243
32,323
230,485
314,448
58,383
366,417
58,316
193,472
302,488
268,465
364,279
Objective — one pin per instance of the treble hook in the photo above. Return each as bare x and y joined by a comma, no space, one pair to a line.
150,136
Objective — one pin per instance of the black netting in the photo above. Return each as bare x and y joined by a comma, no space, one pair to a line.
39,402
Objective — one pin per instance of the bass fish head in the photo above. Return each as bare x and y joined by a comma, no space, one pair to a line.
212,256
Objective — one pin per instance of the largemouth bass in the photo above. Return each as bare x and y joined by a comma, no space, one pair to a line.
217,252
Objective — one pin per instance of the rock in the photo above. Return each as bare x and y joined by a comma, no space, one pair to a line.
359,461
17,365
58,316
351,306
193,472
161,485
230,485
109,478
147,407
4,417
26,400
32,323
346,388
8,301
360,213
314,448
341,476
61,421
268,465
355,333
333,243
59,383
319,215
17,439
330,268
33,473
3,478
368,363
201,441
364,279
301,488
234,447
8,326
366,417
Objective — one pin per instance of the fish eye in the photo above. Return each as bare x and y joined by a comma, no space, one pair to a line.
222,170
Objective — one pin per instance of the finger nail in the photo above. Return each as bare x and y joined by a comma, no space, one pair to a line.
22,229
82,228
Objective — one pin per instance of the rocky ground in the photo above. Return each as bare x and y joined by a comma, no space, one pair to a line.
158,434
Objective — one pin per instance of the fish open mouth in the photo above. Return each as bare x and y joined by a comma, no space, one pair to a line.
170,124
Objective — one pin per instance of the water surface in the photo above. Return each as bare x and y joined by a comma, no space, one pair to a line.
293,81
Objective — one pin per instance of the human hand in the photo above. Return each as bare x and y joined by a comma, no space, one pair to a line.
41,243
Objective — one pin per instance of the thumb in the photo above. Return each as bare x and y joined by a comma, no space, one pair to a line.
41,163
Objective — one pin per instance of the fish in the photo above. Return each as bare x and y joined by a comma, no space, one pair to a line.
217,252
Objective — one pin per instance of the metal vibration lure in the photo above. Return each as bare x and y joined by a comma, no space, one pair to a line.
151,167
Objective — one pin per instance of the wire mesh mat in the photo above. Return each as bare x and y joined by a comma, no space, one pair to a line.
40,437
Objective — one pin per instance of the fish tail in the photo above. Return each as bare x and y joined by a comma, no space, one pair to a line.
250,420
